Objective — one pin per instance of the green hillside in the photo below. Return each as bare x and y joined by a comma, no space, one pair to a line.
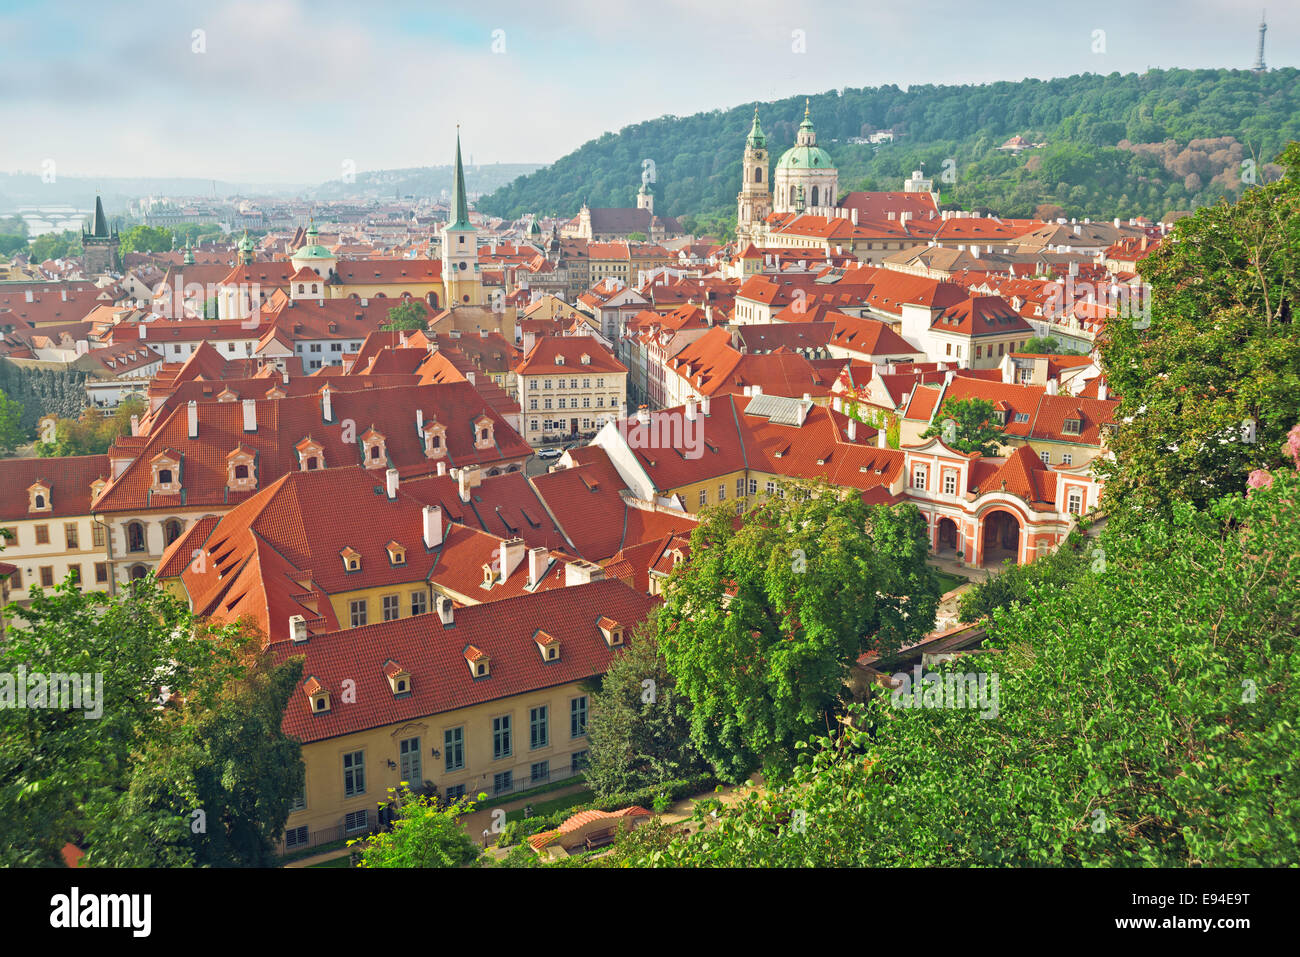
1192,130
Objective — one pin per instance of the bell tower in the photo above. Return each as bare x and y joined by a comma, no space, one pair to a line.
461,279
754,204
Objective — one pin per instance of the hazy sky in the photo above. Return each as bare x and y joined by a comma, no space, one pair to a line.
289,91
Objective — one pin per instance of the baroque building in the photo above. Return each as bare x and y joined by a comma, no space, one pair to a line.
754,203
806,180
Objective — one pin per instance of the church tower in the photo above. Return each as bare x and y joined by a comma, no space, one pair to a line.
460,268
100,244
754,203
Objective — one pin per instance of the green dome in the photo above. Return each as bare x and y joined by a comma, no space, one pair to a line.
805,157
313,251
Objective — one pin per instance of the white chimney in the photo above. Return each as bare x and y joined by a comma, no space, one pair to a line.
581,572
1103,393
419,420
446,611
704,405
882,439
469,376
28,297
442,468
135,425
466,479
643,415
758,390
298,628
284,378
326,406
192,412
837,403
853,430
1008,371
538,559
1051,386
144,330
250,415
63,295
512,556
392,479
853,216
432,526
690,408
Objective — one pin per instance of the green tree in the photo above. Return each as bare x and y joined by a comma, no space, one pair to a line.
1221,346
12,433
640,725
424,833
409,315
760,627
1047,345
972,428
145,239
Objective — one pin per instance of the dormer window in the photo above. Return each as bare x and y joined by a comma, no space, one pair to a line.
317,695
166,468
612,630
396,554
398,678
1071,426
351,559
38,497
480,665
559,360
483,432
373,449
241,474
311,455
548,645
435,439
586,359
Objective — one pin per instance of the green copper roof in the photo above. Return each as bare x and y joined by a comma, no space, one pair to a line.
805,157
756,138
459,202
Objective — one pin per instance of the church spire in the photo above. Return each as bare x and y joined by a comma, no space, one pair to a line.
756,138
459,202
100,226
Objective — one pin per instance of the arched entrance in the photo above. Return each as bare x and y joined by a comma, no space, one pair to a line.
1001,538
946,537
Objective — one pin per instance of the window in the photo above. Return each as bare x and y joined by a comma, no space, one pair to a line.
950,483
532,405
771,487
454,794
75,572
501,746
453,749
1071,427
753,486
503,781
722,491
101,572
392,607
43,535
1074,502
1067,459
561,402
295,837
409,752
578,717
578,761
47,576
541,771
546,404
1046,457
539,734
704,496
356,821
600,383
134,537
918,477
71,536
354,773
419,603
740,488
547,384
98,536
1022,416
357,609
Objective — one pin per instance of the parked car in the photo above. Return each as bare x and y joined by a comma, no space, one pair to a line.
548,453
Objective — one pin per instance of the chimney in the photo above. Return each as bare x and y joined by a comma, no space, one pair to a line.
690,408
837,403
704,405
446,611
1103,393
1051,386
882,440
442,468
1008,372
512,556
419,420
466,479
758,390
143,329
29,297
853,216
326,406
63,295
250,415
298,628
432,526
947,379
853,430
643,415
391,480
135,425
538,559
192,411
581,572
284,378
469,376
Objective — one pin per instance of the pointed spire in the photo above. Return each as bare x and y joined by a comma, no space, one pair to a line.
100,227
756,138
459,202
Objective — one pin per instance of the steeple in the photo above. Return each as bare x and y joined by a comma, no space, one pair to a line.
459,202
189,254
756,138
100,225
807,136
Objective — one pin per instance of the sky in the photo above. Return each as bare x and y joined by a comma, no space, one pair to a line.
294,91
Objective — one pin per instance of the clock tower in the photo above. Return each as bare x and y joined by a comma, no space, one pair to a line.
461,278
754,203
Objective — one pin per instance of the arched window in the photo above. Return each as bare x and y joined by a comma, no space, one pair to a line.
300,287
814,197
164,476
433,300
311,464
40,500
172,529
241,471
138,572
135,537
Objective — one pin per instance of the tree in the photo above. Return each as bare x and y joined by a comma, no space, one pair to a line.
636,237
67,778
1144,716
759,628
92,433
409,315
1218,357
12,434
640,725
1047,345
972,428
424,834
146,239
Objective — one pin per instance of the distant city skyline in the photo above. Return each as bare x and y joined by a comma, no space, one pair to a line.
294,92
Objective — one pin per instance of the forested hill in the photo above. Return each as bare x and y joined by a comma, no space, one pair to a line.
1117,145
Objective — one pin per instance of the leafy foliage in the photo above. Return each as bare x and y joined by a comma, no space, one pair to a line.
425,833
92,433
759,628
974,429
408,315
